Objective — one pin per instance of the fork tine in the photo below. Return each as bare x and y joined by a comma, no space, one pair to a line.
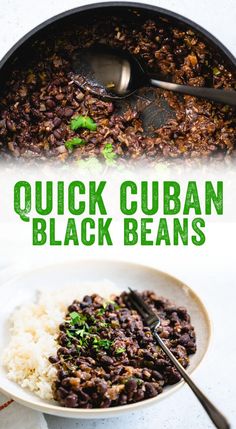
138,308
136,297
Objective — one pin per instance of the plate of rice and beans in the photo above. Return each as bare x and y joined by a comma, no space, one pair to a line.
73,345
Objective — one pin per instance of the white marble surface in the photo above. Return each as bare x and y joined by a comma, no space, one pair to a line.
210,270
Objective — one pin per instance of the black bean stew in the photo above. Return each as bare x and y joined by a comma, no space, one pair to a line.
41,99
107,357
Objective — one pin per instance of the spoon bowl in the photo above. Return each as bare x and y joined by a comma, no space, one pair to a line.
108,72
115,73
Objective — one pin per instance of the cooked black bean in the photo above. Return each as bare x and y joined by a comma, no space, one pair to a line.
102,387
106,360
173,375
157,375
50,103
53,359
62,374
71,401
62,393
131,386
150,390
139,395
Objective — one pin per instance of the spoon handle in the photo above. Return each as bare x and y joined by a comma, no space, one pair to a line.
217,418
219,95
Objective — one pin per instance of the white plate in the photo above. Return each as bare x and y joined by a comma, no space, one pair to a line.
122,274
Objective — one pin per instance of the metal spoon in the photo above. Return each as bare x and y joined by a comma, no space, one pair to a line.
115,73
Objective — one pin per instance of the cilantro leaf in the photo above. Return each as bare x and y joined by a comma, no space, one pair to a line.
139,381
103,324
74,142
216,71
81,332
109,154
105,304
101,311
119,350
83,122
101,344
69,334
77,319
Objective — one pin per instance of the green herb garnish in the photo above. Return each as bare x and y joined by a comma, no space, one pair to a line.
103,325
77,318
83,122
139,381
105,304
69,334
101,344
81,332
80,335
74,142
101,311
109,154
119,350
216,71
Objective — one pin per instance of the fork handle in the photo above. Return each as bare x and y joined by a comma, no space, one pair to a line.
215,415
219,95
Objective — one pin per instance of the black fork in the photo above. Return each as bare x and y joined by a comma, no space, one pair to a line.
153,321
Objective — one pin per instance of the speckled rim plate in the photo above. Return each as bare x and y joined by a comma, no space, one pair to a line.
123,274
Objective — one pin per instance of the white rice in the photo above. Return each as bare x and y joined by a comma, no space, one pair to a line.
34,328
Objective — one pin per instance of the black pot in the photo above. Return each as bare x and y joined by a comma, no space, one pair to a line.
21,52
155,114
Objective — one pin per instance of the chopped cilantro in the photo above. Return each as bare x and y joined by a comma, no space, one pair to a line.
216,71
103,325
83,122
69,334
101,343
93,329
101,311
119,350
77,318
109,154
81,332
75,334
139,381
69,144
80,335
83,342
105,304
